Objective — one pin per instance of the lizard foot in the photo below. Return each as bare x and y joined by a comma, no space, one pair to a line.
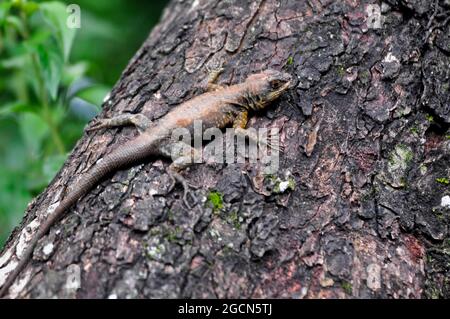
275,146
272,140
213,75
177,178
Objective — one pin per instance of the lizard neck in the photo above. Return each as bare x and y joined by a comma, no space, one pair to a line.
240,96
246,98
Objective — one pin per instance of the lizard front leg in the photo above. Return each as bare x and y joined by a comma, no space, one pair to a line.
139,120
241,120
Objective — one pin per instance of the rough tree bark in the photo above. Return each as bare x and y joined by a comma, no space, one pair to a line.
366,133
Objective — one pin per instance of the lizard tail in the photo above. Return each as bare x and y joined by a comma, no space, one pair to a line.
129,153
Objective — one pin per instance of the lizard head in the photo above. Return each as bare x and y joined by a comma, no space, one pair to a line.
266,86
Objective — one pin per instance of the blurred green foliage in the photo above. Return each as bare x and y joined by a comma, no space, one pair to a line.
52,81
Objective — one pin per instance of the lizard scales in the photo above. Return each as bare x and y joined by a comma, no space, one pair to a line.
219,107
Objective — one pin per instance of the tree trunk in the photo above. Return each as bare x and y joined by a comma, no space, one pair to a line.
367,142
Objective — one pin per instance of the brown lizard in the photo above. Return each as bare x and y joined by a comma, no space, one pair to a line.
218,107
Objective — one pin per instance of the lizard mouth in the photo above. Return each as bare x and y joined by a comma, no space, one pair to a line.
275,94
286,86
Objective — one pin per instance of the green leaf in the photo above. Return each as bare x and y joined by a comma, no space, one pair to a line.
16,23
58,114
4,10
33,129
73,72
55,15
52,165
14,198
52,65
29,7
38,36
94,94
17,61
15,107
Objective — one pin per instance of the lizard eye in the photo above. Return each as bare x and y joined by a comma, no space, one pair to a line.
275,84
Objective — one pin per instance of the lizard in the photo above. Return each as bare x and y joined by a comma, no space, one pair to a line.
220,106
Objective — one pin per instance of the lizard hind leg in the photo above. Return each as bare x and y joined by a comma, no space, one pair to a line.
140,121
178,178
183,156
